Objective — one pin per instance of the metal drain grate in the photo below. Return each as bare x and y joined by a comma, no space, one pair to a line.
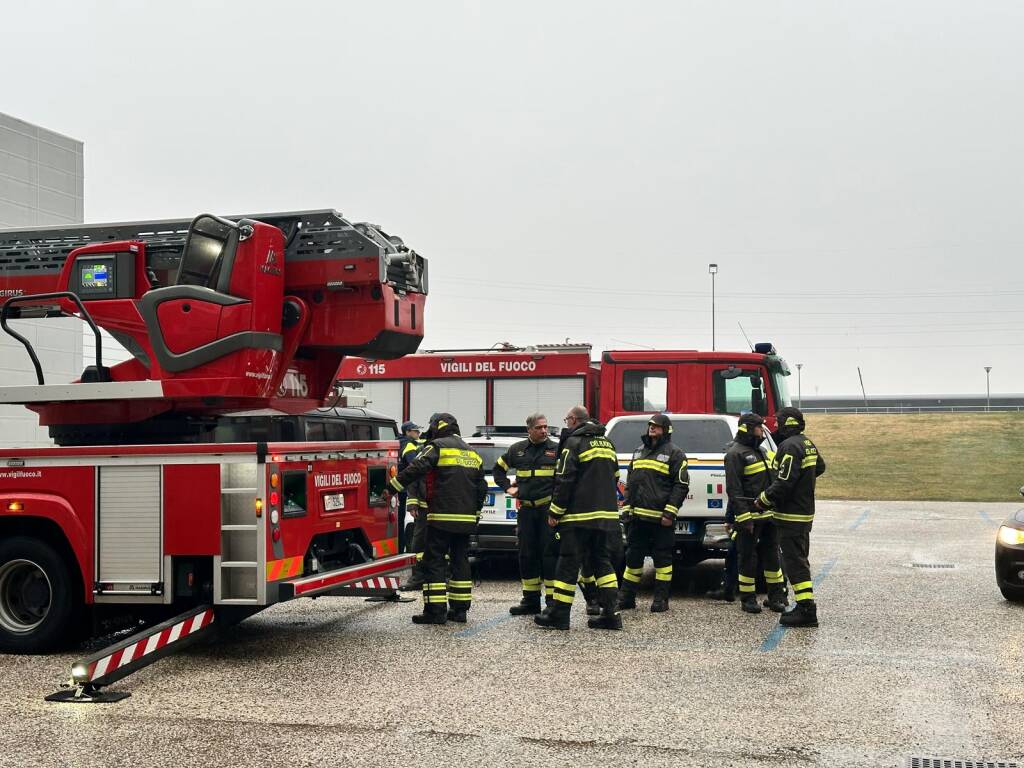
953,762
932,565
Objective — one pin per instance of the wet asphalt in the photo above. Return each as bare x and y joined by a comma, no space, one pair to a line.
908,661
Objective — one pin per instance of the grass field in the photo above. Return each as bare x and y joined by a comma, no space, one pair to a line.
920,457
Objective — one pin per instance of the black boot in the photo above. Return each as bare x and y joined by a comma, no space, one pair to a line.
590,595
415,582
627,597
555,618
724,592
750,604
660,602
777,601
457,615
529,605
432,614
805,614
609,618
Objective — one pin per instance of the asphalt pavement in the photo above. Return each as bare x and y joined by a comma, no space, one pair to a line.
908,661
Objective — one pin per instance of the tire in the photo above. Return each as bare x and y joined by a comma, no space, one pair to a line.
1012,593
39,600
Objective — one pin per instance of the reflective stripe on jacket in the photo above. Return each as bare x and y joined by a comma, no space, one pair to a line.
534,465
746,476
796,468
586,480
658,481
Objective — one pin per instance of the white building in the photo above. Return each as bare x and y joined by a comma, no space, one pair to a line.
41,176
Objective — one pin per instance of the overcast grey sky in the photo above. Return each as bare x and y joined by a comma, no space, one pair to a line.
571,168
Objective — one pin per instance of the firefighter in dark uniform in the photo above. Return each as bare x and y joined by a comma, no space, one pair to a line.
408,444
796,467
455,490
656,488
533,461
746,476
585,511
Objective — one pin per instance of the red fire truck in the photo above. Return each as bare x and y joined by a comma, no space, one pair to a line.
502,386
132,512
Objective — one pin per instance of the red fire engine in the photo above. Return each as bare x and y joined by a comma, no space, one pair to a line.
504,385
221,315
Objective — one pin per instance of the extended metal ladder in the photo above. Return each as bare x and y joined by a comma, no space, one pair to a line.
240,568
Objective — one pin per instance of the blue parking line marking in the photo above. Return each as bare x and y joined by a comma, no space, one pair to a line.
477,628
986,518
857,523
775,636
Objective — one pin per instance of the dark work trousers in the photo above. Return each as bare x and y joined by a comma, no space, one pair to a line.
760,545
577,545
732,565
643,538
551,554
402,499
419,542
457,590
795,543
535,561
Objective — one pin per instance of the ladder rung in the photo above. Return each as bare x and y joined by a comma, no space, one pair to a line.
238,527
239,564
238,490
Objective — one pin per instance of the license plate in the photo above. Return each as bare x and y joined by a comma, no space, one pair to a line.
684,526
334,501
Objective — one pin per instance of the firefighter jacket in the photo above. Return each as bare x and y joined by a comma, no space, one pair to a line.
746,476
454,487
534,464
416,490
586,480
407,448
658,481
796,467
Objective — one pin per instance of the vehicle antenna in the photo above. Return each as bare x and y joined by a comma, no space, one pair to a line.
745,335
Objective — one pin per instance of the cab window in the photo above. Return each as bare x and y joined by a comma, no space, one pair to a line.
360,431
335,430
386,432
644,390
315,431
739,391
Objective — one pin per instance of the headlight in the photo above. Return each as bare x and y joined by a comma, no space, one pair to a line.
1010,536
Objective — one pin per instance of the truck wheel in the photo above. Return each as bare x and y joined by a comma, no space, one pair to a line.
39,600
1012,593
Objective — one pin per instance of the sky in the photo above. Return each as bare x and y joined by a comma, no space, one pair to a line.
570,169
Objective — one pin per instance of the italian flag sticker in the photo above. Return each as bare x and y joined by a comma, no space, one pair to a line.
713,488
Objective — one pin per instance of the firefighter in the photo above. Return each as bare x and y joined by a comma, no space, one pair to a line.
796,467
408,444
746,476
585,511
656,488
534,462
455,490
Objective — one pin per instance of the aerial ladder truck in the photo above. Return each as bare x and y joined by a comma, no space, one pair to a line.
130,512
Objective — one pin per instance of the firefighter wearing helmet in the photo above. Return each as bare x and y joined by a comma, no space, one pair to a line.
454,491
746,476
796,467
656,488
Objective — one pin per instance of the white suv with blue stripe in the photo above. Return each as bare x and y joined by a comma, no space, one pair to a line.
700,524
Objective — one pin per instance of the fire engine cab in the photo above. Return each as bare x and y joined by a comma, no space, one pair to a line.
506,384
128,513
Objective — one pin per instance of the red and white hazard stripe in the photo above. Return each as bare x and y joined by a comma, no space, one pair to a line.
381,582
148,645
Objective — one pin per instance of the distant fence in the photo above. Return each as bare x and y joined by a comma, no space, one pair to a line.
898,409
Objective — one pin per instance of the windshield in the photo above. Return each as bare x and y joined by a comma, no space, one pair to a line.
490,454
780,387
692,435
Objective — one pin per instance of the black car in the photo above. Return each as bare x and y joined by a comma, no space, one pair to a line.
1010,556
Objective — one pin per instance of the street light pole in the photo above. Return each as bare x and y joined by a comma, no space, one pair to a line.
713,270
988,391
799,386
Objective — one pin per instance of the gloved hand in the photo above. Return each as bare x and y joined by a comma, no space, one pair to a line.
552,521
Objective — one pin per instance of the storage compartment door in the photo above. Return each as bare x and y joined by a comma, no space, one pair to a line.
515,399
129,530
465,399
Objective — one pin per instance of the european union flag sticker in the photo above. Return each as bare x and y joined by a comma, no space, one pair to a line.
714,503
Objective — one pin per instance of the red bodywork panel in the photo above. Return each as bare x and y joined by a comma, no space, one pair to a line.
58,484
689,374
